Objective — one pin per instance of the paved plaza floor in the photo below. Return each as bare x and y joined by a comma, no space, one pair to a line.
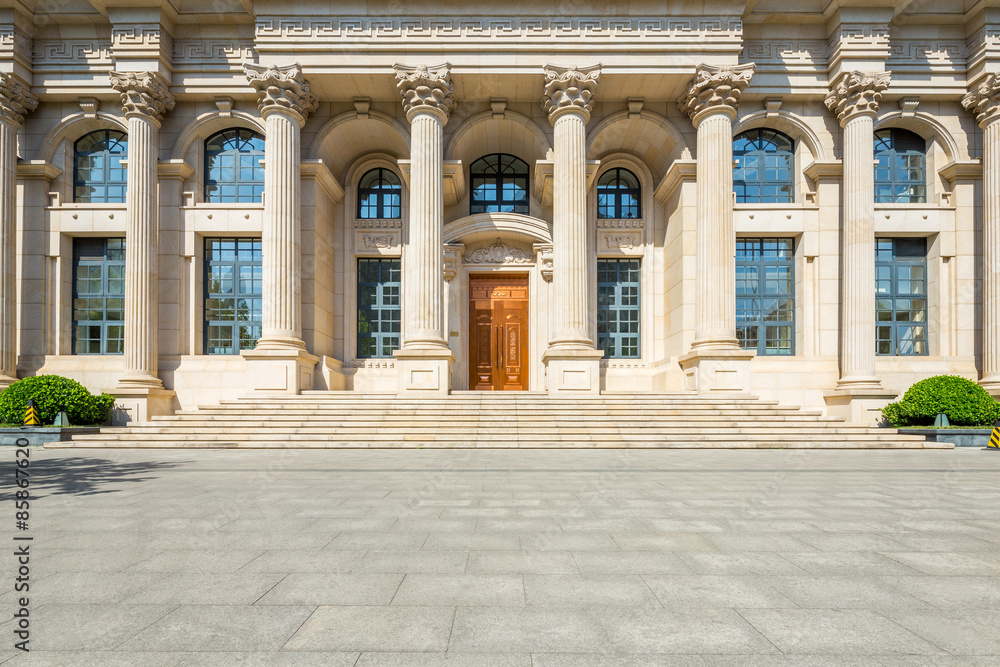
495,558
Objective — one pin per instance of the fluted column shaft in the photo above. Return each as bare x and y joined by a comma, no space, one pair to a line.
715,305
569,230
144,100
15,102
423,295
281,233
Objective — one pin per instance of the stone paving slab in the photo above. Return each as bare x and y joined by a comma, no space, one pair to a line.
521,558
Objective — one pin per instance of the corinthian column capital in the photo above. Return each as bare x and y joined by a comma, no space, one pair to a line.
15,101
716,89
984,100
143,94
857,93
426,89
281,89
569,88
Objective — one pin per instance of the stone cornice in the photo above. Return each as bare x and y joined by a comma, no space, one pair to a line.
281,89
143,94
716,89
569,88
857,93
984,100
426,88
15,100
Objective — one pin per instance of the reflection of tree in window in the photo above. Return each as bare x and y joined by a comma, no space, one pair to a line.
98,172
379,194
900,167
233,295
765,296
98,296
618,194
499,184
764,172
901,296
618,287
378,307
233,173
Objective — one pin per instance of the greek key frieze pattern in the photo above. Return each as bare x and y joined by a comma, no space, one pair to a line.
778,52
191,53
50,52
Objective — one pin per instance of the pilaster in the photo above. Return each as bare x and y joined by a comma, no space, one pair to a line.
716,361
572,361
280,362
984,101
425,360
15,102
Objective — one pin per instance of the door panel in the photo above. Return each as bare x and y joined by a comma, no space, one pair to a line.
498,316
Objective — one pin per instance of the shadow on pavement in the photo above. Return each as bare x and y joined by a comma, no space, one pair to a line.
81,475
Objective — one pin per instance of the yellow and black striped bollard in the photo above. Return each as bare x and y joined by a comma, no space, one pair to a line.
31,415
995,437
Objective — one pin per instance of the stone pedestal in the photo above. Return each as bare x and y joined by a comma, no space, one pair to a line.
858,406
424,360
984,100
716,362
572,361
279,371
135,405
15,102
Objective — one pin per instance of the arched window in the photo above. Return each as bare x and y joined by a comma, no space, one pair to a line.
900,175
233,174
499,184
764,171
618,193
98,172
379,195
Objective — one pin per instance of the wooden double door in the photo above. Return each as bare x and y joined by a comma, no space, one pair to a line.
498,344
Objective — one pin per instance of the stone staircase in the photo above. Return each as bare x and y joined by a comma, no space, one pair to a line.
499,419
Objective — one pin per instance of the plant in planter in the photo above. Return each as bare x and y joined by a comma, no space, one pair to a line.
51,394
962,400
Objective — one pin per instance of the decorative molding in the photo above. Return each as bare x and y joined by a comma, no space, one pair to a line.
90,106
857,93
569,88
141,40
621,241
621,223
50,53
922,52
281,89
984,100
385,242
225,106
16,101
616,242
859,39
426,88
374,363
143,94
908,106
362,106
784,52
716,88
635,106
377,242
452,259
543,258
772,105
199,54
499,107
379,223
498,253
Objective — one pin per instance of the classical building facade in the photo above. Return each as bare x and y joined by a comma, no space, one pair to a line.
205,200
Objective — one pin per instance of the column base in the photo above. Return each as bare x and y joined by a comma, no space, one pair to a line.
6,381
858,405
573,370
990,383
423,371
281,371
134,405
711,370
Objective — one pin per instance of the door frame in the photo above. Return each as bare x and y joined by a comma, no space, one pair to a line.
499,277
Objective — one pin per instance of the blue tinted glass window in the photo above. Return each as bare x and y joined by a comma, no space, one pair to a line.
900,167
618,323
764,172
233,295
618,195
765,295
499,184
98,296
379,195
378,307
233,173
901,296
98,172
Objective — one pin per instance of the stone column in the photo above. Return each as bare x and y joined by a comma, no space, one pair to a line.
424,361
572,361
279,362
15,103
854,98
716,362
145,100
984,101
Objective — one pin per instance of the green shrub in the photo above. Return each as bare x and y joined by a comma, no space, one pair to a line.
964,401
51,394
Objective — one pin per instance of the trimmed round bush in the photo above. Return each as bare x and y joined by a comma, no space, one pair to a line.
51,394
963,401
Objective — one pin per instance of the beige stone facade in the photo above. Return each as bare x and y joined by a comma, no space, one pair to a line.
423,92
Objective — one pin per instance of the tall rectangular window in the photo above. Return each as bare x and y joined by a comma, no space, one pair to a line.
618,286
233,295
765,295
98,296
901,296
378,307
